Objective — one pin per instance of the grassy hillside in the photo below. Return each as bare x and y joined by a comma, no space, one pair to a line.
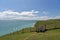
30,34
49,23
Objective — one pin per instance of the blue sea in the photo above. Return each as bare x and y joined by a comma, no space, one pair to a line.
9,26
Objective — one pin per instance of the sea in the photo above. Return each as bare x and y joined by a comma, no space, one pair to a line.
10,26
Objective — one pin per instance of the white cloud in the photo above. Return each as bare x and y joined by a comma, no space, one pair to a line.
32,18
44,18
24,15
9,14
56,17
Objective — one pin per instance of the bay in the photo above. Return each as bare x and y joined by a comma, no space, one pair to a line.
9,26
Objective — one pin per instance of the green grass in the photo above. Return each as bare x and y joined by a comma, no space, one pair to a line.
26,34
49,23
48,35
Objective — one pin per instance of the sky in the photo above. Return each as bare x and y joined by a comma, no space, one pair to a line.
29,9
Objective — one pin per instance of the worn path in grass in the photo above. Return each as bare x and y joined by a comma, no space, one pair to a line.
30,36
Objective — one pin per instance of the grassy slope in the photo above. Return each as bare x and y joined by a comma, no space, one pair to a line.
48,35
